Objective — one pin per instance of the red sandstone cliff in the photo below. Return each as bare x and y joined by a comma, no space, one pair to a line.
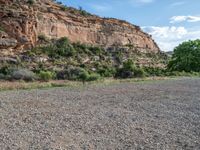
22,23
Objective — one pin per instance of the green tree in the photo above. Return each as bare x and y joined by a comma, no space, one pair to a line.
186,57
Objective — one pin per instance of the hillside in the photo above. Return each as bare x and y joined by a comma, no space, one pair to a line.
30,29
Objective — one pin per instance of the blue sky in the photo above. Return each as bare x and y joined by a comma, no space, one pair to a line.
170,22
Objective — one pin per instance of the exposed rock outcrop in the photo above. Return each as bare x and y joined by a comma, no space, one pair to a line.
23,23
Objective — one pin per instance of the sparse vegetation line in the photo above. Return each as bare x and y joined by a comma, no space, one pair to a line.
62,60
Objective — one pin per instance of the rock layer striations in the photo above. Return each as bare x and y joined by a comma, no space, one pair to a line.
23,22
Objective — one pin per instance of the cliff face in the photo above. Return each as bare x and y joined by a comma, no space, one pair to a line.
22,23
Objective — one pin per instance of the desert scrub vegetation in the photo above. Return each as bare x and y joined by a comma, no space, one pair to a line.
14,73
31,2
79,11
63,60
129,70
78,74
64,8
46,75
42,38
83,12
23,74
57,49
1,28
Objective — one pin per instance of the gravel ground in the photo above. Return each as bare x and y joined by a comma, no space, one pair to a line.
149,115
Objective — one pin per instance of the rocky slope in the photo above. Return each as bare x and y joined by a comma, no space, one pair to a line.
26,25
22,23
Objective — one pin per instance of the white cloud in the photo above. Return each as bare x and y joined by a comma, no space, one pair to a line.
170,37
176,19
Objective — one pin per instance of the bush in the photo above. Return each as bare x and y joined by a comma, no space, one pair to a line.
1,28
46,75
121,73
107,71
23,74
63,8
182,73
83,12
84,76
30,2
93,77
139,72
129,70
62,48
6,70
71,73
76,73
2,76
42,38
155,71
95,50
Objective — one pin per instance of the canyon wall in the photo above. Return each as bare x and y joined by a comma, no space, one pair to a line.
22,23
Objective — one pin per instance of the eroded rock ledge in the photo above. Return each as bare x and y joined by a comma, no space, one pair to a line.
22,23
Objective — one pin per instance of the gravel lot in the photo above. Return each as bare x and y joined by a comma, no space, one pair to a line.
149,115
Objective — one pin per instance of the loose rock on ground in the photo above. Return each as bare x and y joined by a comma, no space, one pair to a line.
149,115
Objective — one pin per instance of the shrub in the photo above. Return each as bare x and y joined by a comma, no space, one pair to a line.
6,70
155,71
46,75
42,38
30,2
83,12
50,50
1,28
129,65
84,76
121,73
95,50
63,8
129,70
139,72
71,73
23,74
61,48
76,73
107,71
196,74
2,76
81,48
64,48
131,46
93,77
